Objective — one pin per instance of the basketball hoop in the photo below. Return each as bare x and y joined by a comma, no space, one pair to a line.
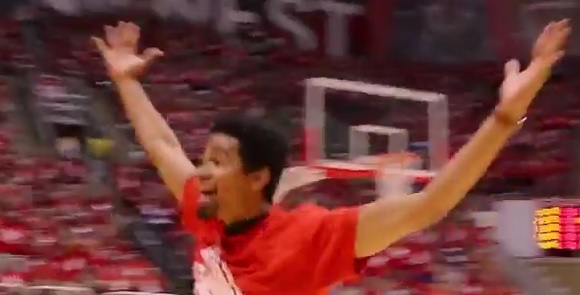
394,173
397,164
394,169
400,160
316,113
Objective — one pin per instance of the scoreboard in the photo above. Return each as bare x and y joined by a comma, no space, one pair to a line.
558,227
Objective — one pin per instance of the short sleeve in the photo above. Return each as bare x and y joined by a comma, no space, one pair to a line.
189,203
331,236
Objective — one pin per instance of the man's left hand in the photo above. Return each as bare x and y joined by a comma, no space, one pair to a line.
520,87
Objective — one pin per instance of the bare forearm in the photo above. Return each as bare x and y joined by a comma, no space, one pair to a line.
463,171
150,127
407,214
396,217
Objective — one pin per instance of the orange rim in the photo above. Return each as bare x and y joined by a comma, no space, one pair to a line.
401,160
396,160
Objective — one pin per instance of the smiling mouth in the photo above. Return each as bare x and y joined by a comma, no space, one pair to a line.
207,205
207,196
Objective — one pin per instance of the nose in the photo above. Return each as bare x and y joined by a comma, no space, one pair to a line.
204,173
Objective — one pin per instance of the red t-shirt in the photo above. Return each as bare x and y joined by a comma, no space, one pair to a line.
303,251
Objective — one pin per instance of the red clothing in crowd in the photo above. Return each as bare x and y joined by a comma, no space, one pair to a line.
15,277
45,270
303,251
111,276
73,264
14,238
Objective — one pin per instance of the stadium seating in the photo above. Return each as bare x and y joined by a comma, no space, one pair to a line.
52,234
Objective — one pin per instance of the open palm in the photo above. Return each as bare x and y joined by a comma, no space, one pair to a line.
520,87
119,50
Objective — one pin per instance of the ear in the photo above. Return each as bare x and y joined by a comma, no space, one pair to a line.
259,179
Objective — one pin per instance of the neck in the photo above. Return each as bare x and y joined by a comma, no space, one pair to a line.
243,226
256,211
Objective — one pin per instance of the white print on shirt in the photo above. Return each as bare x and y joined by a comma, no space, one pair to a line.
212,275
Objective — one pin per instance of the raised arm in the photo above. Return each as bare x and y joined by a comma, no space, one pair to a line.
389,219
124,64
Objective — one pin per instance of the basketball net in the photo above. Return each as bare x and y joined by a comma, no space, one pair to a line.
390,171
388,182
296,177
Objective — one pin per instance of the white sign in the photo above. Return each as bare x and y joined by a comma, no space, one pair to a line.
225,15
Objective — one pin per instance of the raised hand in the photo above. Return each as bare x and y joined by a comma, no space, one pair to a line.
119,50
520,87
550,43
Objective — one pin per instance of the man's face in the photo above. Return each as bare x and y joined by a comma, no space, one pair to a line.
227,190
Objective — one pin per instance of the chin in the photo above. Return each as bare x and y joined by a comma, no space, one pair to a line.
207,210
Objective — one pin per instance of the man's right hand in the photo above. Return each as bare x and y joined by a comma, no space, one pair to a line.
119,50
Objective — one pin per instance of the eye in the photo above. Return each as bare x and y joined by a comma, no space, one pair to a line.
215,162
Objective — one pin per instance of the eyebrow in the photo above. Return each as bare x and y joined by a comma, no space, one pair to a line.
220,149
224,153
